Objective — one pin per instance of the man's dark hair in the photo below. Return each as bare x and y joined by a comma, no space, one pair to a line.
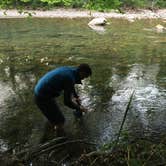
85,68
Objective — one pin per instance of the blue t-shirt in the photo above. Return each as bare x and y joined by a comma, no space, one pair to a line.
53,82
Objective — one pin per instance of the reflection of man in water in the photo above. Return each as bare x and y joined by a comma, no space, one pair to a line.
51,85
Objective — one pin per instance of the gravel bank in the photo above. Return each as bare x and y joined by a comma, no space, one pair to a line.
72,13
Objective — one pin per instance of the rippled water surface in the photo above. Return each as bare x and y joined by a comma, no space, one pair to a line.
125,57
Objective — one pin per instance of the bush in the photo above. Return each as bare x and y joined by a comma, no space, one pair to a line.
161,3
133,3
100,5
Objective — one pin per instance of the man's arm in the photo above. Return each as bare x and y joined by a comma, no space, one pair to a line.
69,90
75,95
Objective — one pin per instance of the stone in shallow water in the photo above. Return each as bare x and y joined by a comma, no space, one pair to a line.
98,21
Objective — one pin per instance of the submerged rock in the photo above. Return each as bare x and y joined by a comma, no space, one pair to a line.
98,29
97,24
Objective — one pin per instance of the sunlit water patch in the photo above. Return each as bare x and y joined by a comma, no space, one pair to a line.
148,99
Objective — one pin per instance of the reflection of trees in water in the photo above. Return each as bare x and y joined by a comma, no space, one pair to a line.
147,110
17,118
162,73
20,115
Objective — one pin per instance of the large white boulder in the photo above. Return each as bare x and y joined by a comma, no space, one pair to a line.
160,28
98,21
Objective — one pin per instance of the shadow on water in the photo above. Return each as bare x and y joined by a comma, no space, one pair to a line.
123,58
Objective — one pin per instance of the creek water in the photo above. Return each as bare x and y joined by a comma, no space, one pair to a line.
124,56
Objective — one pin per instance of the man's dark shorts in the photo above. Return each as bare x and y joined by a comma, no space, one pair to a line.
50,109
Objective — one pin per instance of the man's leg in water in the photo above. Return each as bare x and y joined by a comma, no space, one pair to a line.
52,112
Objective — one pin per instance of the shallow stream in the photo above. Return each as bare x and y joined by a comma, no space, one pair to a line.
124,56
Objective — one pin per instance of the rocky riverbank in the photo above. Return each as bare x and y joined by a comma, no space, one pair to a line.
73,13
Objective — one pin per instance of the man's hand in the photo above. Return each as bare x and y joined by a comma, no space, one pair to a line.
78,101
83,109
79,113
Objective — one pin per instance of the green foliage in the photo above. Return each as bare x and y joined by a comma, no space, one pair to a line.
161,3
134,3
6,3
135,151
52,1
78,3
25,1
100,5
143,3
71,3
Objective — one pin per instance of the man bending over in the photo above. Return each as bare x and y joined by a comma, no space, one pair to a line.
50,87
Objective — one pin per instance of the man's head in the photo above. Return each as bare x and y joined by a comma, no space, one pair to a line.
84,71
